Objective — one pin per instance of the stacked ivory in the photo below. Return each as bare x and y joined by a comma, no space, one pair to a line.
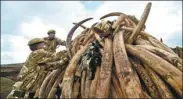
134,64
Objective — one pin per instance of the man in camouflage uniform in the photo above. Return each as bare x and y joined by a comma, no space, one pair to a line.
53,42
35,68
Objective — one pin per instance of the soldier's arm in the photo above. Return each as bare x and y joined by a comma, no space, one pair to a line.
22,72
39,57
61,42
50,64
43,56
62,64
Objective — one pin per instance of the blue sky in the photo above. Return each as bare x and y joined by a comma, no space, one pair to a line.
23,20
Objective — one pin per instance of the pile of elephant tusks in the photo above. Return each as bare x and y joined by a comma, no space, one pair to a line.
134,64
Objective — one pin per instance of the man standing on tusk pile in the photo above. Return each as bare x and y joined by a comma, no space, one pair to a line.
52,42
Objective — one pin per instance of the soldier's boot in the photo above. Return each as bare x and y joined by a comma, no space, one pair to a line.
16,94
31,95
11,95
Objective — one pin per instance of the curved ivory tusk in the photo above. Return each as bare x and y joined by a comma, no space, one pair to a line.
94,24
70,34
84,27
140,25
111,14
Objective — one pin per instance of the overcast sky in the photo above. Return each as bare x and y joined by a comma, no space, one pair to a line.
24,20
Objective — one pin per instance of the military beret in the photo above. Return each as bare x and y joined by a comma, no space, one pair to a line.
35,40
51,31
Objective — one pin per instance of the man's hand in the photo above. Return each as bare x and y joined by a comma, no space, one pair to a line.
60,42
61,54
19,77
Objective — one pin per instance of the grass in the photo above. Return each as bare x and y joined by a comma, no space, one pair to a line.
6,84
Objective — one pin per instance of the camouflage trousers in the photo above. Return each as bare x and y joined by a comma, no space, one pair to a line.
16,92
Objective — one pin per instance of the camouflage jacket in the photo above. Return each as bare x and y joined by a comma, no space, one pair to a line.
31,71
51,45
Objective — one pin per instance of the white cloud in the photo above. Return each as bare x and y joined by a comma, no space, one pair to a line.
37,28
160,22
5,58
13,57
19,49
164,19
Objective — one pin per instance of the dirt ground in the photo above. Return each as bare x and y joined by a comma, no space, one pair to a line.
8,78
